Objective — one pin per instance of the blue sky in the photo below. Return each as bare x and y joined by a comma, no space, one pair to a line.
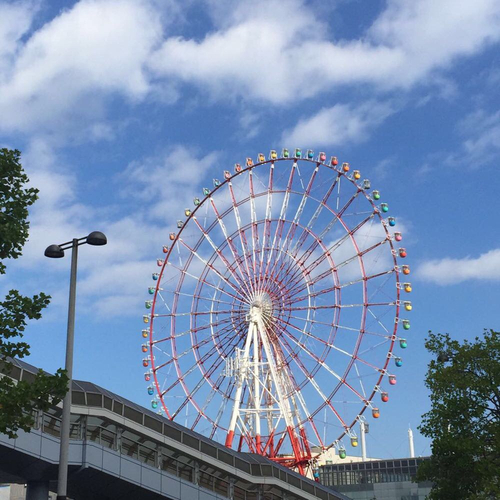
123,109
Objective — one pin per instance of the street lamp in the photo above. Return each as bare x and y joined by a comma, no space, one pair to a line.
95,238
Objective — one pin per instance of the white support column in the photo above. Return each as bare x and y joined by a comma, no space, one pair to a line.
410,442
242,374
363,440
256,388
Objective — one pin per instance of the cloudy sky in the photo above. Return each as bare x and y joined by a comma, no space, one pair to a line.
122,108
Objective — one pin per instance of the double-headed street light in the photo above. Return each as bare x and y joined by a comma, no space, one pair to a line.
95,238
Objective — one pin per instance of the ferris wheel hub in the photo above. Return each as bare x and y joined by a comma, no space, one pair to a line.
261,308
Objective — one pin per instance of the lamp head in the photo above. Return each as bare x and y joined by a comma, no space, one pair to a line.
54,252
96,238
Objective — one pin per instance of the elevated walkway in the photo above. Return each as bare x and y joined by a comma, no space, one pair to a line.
119,450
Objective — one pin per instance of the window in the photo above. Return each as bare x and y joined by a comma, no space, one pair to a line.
51,421
147,452
168,461
132,414
186,468
130,444
75,429
101,431
190,441
94,399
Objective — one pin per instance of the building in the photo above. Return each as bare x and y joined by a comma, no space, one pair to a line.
119,449
376,479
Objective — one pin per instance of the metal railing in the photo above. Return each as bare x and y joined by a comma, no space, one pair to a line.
159,456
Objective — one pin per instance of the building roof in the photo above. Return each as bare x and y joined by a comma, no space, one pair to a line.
92,395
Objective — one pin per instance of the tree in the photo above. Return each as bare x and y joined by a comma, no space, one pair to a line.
464,420
18,400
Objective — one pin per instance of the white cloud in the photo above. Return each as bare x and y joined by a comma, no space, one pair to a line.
257,55
121,269
339,124
66,68
482,145
432,34
61,76
452,271
15,20
168,183
112,279
56,216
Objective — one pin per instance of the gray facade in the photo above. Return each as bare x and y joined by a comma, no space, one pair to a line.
376,479
121,450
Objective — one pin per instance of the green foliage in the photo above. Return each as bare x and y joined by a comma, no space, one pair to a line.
18,401
15,199
464,420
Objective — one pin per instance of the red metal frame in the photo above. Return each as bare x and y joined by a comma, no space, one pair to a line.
280,268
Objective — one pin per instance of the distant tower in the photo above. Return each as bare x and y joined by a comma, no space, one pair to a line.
363,430
410,441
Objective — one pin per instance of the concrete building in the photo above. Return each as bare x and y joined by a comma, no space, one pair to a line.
376,479
119,450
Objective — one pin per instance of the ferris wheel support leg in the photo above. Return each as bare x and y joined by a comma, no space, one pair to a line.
296,449
284,403
305,442
256,389
239,389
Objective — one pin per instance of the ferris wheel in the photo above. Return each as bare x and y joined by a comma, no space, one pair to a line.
274,315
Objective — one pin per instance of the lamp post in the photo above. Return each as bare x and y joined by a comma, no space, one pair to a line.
57,251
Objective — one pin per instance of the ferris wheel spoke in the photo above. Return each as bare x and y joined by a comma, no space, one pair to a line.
310,378
201,297
221,256
182,377
341,327
220,412
366,332
313,307
189,350
190,313
336,217
191,331
378,321
380,289
243,239
246,281
333,346
367,278
281,219
198,278
314,218
360,380
367,363
329,251
315,338
240,296
328,272
199,385
282,250
322,363
255,233
295,222
348,235
266,233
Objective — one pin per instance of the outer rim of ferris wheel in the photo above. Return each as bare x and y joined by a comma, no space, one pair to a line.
258,288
